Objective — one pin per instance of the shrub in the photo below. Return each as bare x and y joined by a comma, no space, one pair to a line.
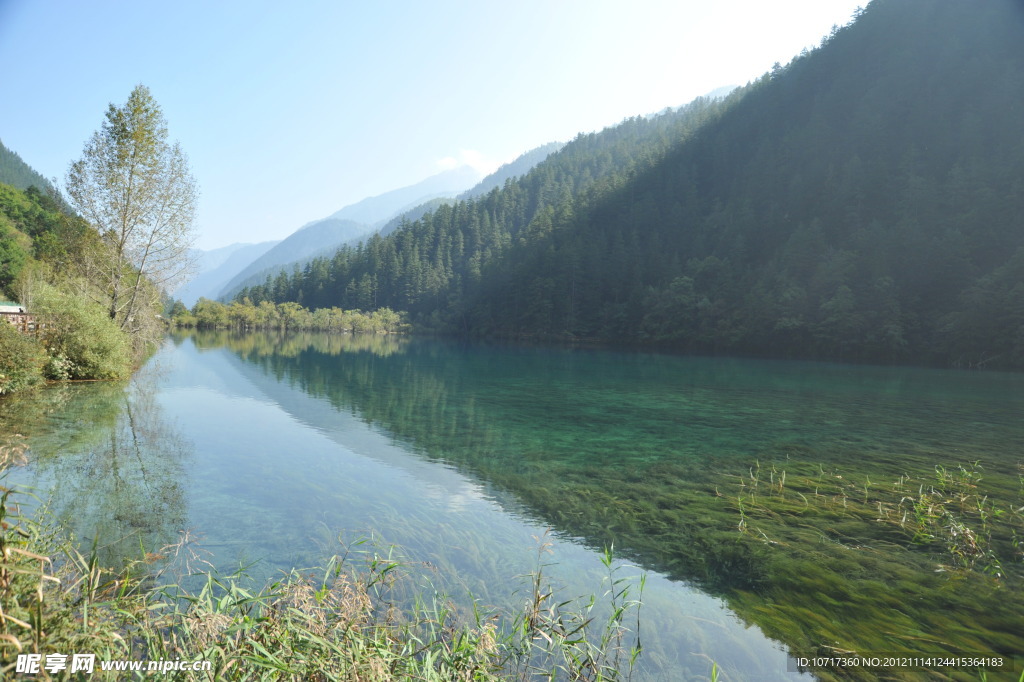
80,334
21,360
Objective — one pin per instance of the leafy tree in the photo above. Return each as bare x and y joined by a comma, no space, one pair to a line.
177,309
137,190
210,313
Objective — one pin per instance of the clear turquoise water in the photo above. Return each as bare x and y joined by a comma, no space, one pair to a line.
270,447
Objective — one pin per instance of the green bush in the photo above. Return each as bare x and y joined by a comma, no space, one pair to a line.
21,360
84,341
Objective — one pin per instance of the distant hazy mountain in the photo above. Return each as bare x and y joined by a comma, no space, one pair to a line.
722,92
513,169
305,243
217,267
375,210
414,213
214,258
862,203
358,220
381,213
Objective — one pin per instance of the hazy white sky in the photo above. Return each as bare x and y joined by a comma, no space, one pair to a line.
290,111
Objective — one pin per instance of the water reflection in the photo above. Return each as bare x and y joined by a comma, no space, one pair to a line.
104,458
291,344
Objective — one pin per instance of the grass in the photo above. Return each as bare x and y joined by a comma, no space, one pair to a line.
364,615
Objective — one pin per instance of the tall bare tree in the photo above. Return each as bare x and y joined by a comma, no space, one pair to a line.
137,190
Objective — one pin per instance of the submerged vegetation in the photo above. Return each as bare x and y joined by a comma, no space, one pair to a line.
850,557
879,560
831,515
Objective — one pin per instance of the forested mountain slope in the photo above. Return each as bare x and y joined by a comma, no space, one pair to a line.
303,243
519,166
864,202
15,172
375,211
34,227
347,225
429,266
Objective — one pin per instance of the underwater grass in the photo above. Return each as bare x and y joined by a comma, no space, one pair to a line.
850,557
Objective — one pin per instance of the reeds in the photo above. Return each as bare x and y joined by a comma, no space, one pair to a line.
364,615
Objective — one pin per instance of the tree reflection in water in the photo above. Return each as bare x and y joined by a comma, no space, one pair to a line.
102,455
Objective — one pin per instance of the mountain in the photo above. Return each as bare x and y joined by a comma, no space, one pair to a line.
383,213
373,211
35,223
301,244
17,173
414,214
36,227
216,268
523,164
351,223
721,93
214,258
861,203
436,259
16,247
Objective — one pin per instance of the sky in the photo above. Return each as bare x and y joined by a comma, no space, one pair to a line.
290,111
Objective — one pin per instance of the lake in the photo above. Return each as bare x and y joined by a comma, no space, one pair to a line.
775,506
